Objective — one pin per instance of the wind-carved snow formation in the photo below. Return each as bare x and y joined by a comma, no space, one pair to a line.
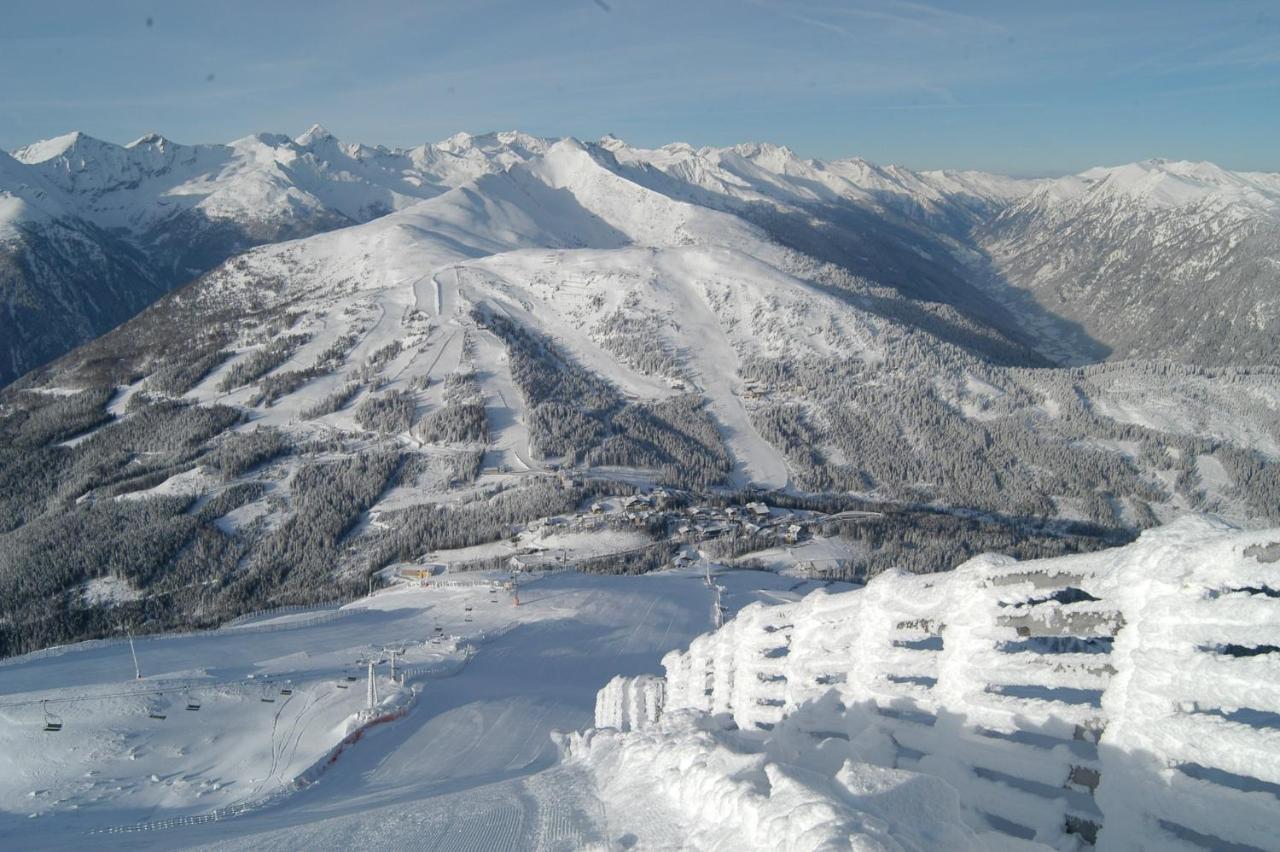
1127,698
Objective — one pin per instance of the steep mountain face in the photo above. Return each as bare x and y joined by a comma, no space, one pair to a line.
91,232
1152,259
560,328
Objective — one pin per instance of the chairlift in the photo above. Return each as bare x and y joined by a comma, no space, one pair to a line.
52,721
286,690
267,697
342,684
192,704
155,712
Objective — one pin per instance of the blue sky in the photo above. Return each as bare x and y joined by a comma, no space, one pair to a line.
1019,87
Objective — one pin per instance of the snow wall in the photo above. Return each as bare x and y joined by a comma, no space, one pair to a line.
1128,699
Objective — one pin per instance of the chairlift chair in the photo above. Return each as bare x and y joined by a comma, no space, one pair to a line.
52,721
267,697
286,690
192,704
156,712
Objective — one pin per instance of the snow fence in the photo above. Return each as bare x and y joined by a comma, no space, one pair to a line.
1128,698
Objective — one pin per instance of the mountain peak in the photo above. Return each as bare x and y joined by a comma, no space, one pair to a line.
460,141
315,133
58,146
1170,183
609,142
151,139
766,151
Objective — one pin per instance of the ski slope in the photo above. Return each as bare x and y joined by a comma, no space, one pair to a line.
471,765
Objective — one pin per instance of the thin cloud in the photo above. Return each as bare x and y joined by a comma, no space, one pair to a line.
901,14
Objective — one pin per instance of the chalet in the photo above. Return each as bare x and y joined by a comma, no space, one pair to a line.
757,509
793,533
710,531
636,503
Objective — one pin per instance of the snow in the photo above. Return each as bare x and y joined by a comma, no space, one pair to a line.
271,178
814,555
47,149
1165,184
1019,685
890,717
472,759
189,483
261,178
756,171
687,784
108,590
559,235
1245,414
558,244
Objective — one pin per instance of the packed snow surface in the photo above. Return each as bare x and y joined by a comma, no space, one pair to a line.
471,765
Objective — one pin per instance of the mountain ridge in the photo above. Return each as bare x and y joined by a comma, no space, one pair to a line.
976,242
567,328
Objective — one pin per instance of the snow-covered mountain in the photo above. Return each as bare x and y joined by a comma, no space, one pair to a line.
1150,259
758,373
266,178
1109,263
320,399
92,232
1156,258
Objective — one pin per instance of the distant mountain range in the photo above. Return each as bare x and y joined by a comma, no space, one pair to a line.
92,232
1151,259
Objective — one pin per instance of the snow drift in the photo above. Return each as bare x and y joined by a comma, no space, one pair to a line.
720,790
